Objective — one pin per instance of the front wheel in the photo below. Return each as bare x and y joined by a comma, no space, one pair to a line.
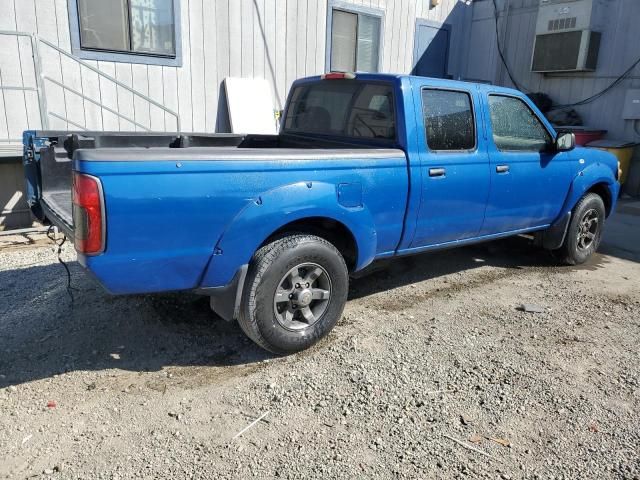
585,230
294,294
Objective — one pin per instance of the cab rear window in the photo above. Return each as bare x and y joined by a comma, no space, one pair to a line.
343,108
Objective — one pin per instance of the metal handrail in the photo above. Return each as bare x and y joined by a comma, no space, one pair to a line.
41,90
37,64
23,89
91,100
114,80
65,119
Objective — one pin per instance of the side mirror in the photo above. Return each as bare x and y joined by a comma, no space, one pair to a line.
565,142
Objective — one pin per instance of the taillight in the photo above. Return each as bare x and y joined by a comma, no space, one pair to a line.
88,214
338,76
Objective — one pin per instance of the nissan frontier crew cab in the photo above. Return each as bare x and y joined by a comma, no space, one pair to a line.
365,167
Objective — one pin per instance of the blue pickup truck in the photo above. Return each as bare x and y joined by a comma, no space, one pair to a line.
365,167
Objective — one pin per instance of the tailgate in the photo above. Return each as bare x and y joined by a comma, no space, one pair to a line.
48,171
56,171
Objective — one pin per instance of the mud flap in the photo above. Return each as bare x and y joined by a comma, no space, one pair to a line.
553,237
225,301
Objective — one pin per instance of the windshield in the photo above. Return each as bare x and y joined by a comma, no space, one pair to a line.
344,108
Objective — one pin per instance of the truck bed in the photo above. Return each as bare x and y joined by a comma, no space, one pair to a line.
56,159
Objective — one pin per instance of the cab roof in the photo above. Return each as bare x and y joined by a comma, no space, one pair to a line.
442,82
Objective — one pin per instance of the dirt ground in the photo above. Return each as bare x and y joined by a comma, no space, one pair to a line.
433,372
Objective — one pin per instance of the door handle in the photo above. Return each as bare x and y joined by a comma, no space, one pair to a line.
437,172
502,168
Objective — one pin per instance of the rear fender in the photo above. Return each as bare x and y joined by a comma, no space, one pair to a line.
278,207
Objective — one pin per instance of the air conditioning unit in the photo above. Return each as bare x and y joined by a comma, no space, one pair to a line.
568,35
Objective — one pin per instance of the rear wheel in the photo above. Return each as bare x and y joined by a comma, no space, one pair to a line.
294,294
585,230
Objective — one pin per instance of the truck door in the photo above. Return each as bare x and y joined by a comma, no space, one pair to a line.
529,181
454,164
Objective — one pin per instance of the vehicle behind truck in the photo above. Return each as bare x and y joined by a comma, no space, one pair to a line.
365,167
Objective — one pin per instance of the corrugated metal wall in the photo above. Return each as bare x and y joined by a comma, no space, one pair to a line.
620,47
280,40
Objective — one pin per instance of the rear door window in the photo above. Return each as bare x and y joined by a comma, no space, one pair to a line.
449,120
343,108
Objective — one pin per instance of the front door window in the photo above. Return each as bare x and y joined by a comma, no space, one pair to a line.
515,127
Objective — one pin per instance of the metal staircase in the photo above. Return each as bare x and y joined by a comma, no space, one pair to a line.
42,84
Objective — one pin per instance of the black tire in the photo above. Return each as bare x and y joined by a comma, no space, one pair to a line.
574,250
260,317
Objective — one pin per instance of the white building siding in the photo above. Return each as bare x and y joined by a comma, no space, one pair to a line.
280,40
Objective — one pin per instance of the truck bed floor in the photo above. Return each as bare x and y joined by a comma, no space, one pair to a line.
58,204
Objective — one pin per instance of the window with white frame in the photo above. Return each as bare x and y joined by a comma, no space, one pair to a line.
130,27
355,41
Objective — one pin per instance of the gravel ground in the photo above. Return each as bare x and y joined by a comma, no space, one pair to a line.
432,373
